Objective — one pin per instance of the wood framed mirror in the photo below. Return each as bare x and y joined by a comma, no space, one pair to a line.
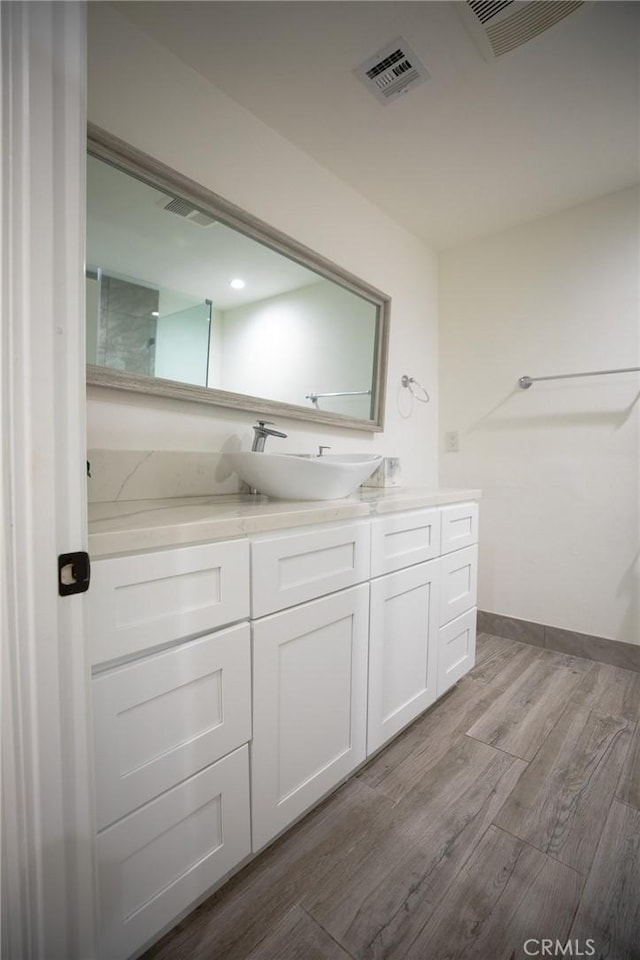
191,297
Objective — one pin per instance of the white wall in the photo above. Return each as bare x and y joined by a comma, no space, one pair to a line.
149,98
558,463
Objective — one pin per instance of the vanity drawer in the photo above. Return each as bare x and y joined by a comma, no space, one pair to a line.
161,719
459,526
153,864
456,650
402,540
294,568
152,599
459,577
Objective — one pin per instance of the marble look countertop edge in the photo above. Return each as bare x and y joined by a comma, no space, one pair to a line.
153,525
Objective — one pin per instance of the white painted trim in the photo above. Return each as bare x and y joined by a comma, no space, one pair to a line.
48,896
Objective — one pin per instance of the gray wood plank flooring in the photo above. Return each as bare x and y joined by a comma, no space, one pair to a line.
609,911
525,713
235,920
610,690
298,937
567,790
509,812
393,888
629,786
507,894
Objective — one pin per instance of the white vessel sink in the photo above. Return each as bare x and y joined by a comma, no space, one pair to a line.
290,477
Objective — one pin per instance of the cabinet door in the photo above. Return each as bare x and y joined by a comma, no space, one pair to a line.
402,540
459,583
456,650
309,706
294,568
152,599
161,719
157,861
402,649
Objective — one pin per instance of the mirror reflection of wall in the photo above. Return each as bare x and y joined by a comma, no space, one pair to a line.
161,303
316,339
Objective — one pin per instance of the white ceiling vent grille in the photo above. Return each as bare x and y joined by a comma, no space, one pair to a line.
500,26
186,210
392,71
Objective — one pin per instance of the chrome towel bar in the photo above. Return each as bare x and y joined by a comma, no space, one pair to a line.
340,393
525,382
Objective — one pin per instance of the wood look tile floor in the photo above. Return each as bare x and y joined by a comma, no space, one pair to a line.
507,814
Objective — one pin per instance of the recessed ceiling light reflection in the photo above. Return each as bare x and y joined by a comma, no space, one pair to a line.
237,283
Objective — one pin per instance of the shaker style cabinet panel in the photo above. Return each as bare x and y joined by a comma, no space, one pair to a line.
146,600
158,860
160,719
309,706
294,568
459,526
413,656
459,583
456,650
401,540
213,734
403,649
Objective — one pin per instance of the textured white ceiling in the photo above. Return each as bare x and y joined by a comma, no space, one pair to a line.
478,147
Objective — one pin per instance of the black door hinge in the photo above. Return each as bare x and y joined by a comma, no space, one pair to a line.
74,573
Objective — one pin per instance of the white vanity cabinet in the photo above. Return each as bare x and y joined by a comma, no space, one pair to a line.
422,634
309,668
403,649
148,599
172,724
459,570
289,568
309,706
237,683
400,540
459,526
154,863
405,618
161,718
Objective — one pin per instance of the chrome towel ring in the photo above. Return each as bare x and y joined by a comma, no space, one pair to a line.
409,382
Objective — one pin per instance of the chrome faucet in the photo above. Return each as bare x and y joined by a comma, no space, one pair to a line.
261,432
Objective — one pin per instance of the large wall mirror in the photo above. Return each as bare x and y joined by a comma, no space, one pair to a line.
190,297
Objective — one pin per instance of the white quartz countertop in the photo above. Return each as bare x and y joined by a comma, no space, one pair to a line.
136,525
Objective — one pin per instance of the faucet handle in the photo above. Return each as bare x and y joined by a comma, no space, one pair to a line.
321,449
262,425
260,433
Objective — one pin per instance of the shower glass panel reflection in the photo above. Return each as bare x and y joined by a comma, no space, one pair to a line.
137,328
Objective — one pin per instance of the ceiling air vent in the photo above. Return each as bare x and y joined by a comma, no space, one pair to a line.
487,9
500,26
186,210
392,71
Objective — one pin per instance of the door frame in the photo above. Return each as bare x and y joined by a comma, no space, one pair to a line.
47,829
